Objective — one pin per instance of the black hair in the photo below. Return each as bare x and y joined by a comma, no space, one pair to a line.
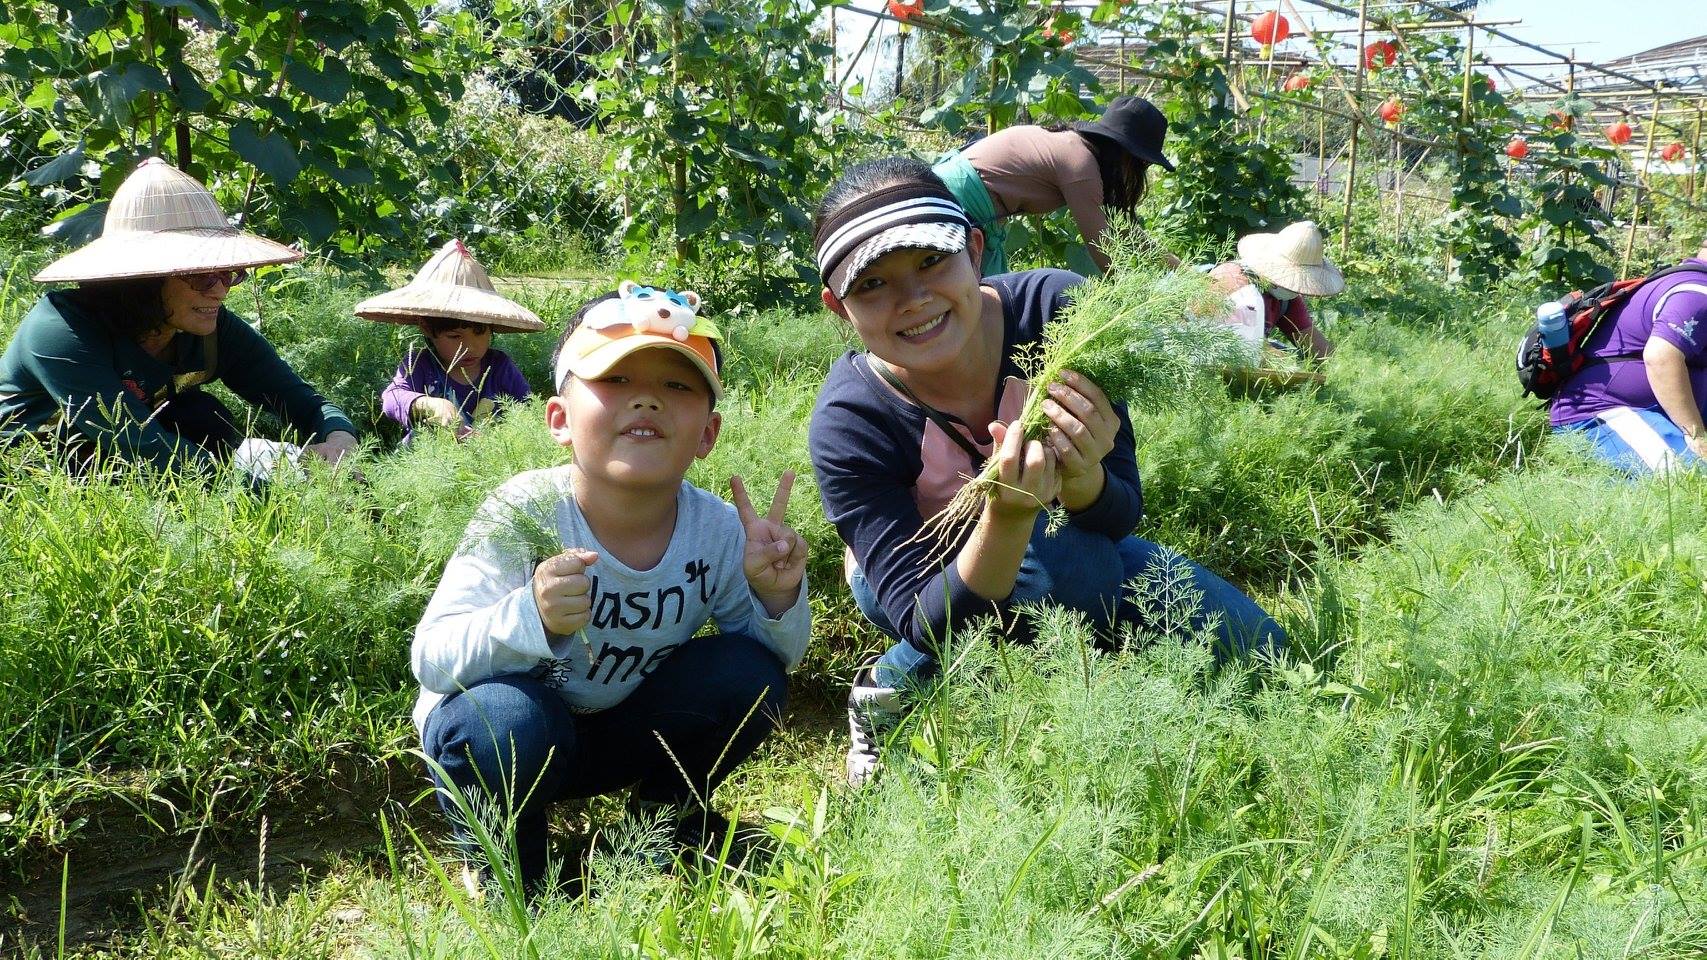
581,314
1124,175
436,326
134,307
573,325
863,178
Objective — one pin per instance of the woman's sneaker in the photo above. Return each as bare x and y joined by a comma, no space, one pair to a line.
873,711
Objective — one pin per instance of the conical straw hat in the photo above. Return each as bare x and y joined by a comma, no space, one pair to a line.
1292,259
453,284
162,222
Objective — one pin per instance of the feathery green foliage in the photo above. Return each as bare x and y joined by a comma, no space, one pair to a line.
1135,332
1489,744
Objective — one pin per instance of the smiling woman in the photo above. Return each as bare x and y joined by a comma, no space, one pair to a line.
899,428
114,366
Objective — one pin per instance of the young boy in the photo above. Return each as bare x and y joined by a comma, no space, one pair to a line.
558,656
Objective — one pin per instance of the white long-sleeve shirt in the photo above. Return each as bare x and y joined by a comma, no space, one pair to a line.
483,622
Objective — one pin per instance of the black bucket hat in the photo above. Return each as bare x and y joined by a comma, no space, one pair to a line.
1136,125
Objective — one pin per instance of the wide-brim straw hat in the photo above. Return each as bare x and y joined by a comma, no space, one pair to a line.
452,285
162,222
1292,259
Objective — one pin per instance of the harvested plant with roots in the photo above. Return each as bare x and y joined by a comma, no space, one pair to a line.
1142,333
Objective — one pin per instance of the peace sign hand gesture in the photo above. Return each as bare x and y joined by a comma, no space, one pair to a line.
775,559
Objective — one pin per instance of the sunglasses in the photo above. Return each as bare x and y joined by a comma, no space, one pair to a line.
203,282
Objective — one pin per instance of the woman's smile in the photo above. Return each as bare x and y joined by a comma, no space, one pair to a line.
925,331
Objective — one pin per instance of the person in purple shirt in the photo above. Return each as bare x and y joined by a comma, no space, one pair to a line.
1640,399
459,380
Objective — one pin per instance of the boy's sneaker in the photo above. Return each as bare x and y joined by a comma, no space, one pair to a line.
694,831
700,829
873,710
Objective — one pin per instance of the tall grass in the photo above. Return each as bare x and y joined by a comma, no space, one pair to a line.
1490,742
1494,753
1256,487
143,632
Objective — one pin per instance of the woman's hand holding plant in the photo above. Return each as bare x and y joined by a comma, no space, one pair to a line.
1082,429
1027,479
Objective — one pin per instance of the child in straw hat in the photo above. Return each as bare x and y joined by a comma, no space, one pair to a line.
562,654
115,365
459,380
1285,267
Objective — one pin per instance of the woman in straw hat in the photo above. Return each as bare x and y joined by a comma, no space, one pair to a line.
1285,267
1038,170
459,380
115,364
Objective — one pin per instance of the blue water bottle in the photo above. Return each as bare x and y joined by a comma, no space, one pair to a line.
1550,321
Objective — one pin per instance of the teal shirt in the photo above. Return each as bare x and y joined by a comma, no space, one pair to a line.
69,373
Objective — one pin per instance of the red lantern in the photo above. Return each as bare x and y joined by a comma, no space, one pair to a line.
904,10
1619,133
1381,53
1517,149
1297,83
1391,111
1269,29
1062,36
1672,153
1563,120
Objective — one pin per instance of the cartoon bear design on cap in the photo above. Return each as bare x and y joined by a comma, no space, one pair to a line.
650,310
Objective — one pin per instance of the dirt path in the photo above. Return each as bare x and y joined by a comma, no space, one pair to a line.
112,874
126,863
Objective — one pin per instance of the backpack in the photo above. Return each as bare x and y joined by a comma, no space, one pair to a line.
1542,370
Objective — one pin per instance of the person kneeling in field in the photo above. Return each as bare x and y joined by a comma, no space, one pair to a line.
1641,396
115,367
459,381
901,426
1285,267
561,654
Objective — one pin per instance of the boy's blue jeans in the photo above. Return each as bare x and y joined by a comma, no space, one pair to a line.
512,738
1090,573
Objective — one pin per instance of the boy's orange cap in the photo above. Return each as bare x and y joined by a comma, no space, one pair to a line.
595,347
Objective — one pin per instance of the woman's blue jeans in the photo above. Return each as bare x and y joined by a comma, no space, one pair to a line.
512,745
1126,582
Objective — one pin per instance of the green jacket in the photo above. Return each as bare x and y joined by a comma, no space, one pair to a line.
68,373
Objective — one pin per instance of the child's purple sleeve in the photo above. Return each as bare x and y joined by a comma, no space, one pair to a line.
402,392
508,380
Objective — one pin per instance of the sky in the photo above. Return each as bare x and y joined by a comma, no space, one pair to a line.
1595,30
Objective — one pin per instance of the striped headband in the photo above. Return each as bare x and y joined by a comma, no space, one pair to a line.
905,215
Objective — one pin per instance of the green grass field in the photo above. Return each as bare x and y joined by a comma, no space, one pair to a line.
1490,740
